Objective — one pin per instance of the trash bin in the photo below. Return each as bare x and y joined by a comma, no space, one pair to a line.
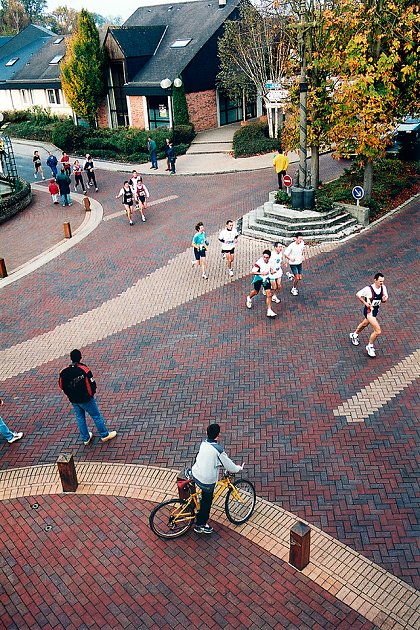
297,198
309,198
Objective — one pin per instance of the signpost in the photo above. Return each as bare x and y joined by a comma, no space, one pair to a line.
358,193
287,181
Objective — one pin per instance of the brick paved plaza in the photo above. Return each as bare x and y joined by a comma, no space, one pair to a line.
327,433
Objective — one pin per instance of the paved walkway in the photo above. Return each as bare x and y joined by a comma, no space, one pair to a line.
172,352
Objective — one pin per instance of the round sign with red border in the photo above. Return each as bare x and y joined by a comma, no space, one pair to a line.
287,181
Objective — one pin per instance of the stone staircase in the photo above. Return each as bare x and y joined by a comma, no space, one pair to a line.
275,222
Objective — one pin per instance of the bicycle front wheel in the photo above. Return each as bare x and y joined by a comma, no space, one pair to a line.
171,518
240,501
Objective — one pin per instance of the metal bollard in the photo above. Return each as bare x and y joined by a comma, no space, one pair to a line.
3,270
67,471
67,230
300,543
86,203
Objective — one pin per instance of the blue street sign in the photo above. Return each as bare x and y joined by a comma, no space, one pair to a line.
358,192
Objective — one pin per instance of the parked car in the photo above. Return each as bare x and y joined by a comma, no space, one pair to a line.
406,136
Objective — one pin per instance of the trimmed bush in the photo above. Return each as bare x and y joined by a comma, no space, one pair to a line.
253,139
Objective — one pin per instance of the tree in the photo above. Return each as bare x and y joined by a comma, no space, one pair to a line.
253,50
34,8
378,70
83,70
181,115
62,20
13,17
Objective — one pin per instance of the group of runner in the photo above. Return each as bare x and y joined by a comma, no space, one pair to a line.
134,193
267,276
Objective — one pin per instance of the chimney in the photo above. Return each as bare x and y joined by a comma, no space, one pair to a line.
222,4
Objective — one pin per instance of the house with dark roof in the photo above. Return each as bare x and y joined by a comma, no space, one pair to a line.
30,71
165,42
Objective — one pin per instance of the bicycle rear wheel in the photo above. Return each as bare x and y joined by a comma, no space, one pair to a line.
171,518
240,503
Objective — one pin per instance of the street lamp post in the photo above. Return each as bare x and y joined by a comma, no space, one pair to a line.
167,84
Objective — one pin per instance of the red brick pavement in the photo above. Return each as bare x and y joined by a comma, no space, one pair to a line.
36,229
273,384
99,566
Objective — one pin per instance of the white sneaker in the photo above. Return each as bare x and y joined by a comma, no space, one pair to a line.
263,291
43,177
75,189
275,299
289,275
354,338
271,313
131,223
16,437
205,277
193,263
143,218
294,291
89,440
230,272
370,350
248,302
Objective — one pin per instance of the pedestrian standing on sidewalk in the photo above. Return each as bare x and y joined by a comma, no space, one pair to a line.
53,189
52,163
10,436
78,176
63,181
168,166
171,158
90,171
277,272
65,163
280,163
126,193
200,244
262,270
78,384
205,471
295,255
37,165
151,147
142,194
229,237
371,297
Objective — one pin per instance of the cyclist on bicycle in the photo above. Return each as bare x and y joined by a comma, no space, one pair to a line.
210,458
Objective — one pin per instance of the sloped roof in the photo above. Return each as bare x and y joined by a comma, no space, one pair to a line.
24,47
138,41
4,39
38,68
197,21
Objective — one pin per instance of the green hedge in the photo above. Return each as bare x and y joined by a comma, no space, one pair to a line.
252,139
126,144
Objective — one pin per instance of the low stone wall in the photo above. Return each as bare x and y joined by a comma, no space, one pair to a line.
360,213
16,202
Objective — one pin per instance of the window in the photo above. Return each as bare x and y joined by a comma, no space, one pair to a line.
58,40
26,97
158,111
11,61
56,59
54,97
180,43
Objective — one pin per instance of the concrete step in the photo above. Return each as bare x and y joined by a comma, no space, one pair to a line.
296,226
274,235
200,148
288,215
308,233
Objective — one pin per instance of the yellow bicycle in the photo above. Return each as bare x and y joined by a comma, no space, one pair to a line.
173,518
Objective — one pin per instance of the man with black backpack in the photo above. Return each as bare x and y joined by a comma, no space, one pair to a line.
78,384
205,472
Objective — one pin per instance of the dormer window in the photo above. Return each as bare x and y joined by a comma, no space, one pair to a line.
11,61
58,40
180,43
56,59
